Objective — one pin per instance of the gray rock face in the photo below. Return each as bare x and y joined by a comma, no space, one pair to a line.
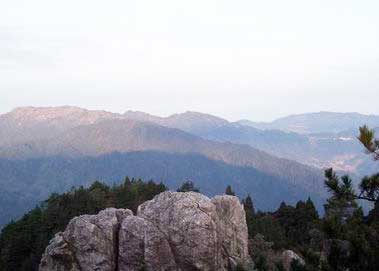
90,242
58,256
173,231
189,221
232,228
143,247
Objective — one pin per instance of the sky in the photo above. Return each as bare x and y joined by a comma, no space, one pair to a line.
243,59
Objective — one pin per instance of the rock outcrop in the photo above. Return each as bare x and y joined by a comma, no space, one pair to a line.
90,242
173,231
288,256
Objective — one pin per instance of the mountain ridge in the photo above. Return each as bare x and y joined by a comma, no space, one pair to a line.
79,143
305,123
323,149
36,178
61,136
128,136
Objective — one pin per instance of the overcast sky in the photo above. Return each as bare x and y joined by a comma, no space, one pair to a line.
236,59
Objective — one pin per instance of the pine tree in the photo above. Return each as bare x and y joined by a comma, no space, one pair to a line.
188,186
311,209
367,138
248,205
341,205
373,215
249,214
229,191
369,186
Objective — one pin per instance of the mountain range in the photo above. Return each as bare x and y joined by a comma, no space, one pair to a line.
45,150
320,122
321,140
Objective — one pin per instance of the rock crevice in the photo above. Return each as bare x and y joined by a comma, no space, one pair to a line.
174,231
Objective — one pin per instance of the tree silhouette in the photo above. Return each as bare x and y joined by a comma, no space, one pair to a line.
369,186
188,186
229,191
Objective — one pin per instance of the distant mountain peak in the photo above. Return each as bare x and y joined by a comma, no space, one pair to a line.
46,108
198,116
33,123
54,112
141,116
42,113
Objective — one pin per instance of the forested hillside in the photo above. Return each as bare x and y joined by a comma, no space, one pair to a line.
74,146
45,150
35,179
23,242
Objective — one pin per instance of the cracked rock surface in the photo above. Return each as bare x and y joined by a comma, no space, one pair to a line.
173,231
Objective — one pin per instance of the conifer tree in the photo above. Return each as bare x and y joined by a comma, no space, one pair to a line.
229,191
188,186
369,187
248,205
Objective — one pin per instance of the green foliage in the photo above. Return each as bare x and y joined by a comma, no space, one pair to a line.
369,188
353,239
343,240
261,263
270,228
297,222
350,243
373,216
297,266
249,211
367,138
25,183
229,191
342,189
23,242
188,186
248,205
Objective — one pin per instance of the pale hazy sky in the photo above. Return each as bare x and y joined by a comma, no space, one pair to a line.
255,59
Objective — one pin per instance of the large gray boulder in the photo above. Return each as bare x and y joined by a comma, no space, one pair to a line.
203,234
173,231
90,242
189,222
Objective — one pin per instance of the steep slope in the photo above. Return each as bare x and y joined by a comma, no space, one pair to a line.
129,135
26,182
341,151
113,148
32,123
